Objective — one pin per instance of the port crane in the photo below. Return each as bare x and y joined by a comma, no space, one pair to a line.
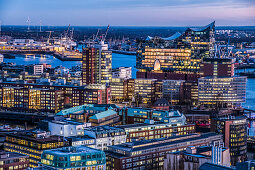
48,41
104,36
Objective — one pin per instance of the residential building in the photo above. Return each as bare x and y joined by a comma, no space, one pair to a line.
234,130
32,144
105,136
108,117
12,160
97,64
80,157
222,91
194,157
150,154
122,72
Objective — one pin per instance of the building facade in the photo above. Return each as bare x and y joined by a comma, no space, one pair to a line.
32,144
11,160
97,64
234,130
106,136
178,54
80,157
150,154
222,91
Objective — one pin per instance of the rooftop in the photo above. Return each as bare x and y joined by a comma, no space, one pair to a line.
10,155
72,150
104,114
103,129
211,166
149,144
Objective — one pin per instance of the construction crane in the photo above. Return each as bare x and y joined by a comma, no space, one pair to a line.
48,41
103,37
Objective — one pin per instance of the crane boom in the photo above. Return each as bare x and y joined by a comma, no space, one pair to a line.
106,32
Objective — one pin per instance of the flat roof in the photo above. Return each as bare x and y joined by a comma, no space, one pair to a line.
104,114
72,150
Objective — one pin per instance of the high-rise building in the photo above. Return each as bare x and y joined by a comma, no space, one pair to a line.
221,91
80,157
234,130
97,64
176,57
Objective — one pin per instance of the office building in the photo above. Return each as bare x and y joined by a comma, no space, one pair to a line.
122,72
63,127
140,115
66,158
222,91
234,131
150,154
12,160
117,90
105,136
189,93
194,157
32,144
177,57
150,130
108,117
221,67
144,91
41,99
97,64
171,90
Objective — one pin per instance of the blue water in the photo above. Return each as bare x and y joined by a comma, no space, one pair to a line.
118,60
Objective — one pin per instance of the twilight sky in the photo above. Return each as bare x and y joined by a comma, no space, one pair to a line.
128,12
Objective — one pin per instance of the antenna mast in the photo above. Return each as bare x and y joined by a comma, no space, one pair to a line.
40,25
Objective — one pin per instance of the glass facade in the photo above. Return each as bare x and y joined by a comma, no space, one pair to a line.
74,157
180,53
221,91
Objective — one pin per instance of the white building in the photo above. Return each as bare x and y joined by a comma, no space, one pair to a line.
38,69
106,136
122,72
1,58
66,128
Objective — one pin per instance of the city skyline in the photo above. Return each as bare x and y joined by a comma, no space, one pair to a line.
128,13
